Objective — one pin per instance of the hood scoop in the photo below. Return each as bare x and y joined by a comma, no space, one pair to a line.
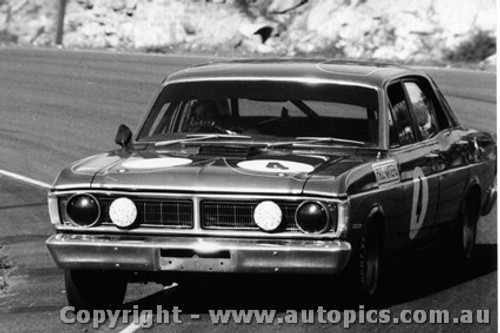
227,150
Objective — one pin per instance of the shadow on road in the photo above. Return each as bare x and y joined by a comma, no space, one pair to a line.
424,274
410,278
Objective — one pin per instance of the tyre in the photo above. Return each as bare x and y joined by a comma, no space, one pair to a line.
361,281
463,239
92,290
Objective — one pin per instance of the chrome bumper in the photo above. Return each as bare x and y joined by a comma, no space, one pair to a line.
196,254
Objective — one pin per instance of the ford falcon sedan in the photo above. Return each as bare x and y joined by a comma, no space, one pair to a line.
273,167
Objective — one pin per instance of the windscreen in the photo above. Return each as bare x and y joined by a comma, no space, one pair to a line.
264,110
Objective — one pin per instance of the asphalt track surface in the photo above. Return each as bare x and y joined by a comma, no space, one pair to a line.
58,106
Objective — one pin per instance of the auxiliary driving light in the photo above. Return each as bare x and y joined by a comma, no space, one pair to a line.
123,212
267,215
312,217
83,209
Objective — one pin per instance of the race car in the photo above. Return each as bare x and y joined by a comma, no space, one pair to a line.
277,166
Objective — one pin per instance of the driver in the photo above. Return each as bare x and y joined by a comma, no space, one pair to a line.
205,117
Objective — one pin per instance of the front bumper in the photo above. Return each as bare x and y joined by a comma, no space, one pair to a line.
198,254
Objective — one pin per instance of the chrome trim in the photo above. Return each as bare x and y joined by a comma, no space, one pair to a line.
215,255
201,196
300,79
162,231
67,187
197,215
76,223
197,229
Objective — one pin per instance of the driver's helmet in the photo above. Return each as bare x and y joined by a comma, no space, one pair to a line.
205,110
204,115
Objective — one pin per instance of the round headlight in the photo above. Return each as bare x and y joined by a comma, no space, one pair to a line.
123,212
83,209
267,215
312,217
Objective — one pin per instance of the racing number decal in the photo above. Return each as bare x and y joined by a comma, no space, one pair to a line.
419,202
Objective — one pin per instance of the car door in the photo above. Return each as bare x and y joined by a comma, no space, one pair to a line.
413,144
453,152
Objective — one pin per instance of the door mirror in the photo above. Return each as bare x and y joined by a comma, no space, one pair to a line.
123,136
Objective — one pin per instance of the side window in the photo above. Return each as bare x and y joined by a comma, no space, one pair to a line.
393,133
445,116
401,132
163,119
423,110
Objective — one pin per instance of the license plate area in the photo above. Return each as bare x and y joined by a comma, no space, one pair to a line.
192,261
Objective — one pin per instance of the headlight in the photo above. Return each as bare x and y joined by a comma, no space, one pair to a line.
267,215
83,209
312,217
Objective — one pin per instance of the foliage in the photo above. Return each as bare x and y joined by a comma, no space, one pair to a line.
479,47
7,37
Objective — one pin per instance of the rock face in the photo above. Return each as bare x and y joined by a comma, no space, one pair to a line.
384,29
399,29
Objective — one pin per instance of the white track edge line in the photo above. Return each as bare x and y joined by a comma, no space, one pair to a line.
24,179
135,326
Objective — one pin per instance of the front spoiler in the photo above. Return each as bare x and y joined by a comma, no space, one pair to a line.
197,254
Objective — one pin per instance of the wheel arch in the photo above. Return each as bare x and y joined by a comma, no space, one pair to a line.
376,216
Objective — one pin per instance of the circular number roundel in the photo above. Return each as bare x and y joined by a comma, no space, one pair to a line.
420,201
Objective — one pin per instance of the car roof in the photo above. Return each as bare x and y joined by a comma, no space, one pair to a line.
371,74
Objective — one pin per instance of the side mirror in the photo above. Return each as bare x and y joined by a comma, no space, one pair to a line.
123,136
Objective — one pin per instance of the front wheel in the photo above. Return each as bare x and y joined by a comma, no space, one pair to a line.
93,290
361,281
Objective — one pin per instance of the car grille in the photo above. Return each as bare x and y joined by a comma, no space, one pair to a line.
239,215
156,212
214,215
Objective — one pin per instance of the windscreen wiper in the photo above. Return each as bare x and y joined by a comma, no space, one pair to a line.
319,139
312,140
200,137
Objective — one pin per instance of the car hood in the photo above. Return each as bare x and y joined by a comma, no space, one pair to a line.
273,172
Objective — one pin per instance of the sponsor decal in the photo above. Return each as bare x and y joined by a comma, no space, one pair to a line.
155,163
386,172
420,201
276,166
